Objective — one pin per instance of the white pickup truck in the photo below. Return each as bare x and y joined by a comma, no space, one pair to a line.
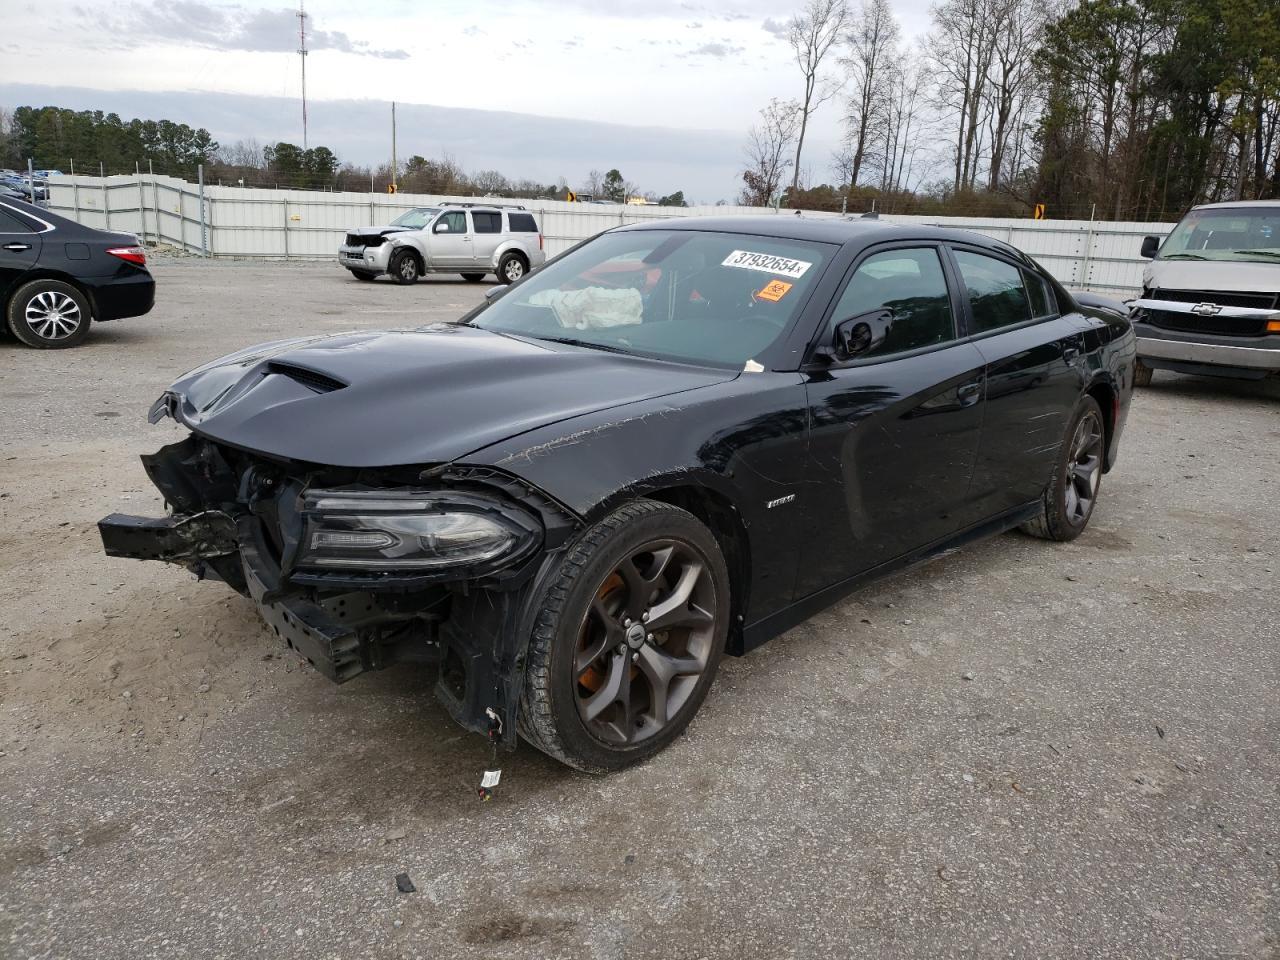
473,240
1210,299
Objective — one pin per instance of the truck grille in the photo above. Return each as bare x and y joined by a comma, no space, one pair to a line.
361,240
1223,326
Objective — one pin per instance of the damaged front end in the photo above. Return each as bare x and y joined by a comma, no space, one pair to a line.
358,569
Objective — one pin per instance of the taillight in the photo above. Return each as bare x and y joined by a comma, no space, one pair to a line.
135,255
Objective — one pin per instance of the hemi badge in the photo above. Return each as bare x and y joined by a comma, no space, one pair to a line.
780,501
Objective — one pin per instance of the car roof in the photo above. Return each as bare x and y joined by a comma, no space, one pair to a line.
841,230
1236,204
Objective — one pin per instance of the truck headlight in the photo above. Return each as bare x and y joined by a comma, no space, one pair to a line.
387,530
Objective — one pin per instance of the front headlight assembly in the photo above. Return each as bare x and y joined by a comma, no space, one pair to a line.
390,531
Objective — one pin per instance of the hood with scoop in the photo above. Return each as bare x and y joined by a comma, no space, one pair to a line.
410,397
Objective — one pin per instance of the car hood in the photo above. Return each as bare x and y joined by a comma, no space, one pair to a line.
1223,275
423,396
376,231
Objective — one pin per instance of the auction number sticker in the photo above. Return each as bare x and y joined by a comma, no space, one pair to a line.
766,263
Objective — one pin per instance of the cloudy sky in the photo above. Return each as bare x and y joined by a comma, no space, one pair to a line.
662,89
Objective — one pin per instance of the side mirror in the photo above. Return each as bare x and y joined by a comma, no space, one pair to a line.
494,292
441,228
862,334
1150,245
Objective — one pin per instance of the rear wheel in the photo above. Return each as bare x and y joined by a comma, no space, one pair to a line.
362,275
404,267
511,267
630,634
1071,495
1141,374
473,277
49,314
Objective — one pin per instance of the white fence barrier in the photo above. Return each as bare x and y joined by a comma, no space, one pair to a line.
284,224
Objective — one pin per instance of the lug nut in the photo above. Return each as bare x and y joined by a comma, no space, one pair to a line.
626,621
622,648
649,637
635,657
645,616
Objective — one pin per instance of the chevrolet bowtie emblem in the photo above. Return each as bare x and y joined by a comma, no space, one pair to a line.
1206,309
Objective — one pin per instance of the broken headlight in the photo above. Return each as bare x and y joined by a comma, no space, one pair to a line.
387,530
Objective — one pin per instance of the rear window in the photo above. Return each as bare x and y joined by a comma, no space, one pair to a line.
522,223
486,222
11,222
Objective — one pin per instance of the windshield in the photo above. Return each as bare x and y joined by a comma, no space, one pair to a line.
713,298
416,219
1231,233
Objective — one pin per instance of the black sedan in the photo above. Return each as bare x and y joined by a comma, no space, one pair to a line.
675,441
56,276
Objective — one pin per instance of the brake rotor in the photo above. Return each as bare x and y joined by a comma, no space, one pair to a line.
592,679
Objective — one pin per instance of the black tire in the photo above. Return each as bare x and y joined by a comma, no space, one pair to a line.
554,702
404,267
49,315
1072,494
1142,374
512,267
363,275
473,277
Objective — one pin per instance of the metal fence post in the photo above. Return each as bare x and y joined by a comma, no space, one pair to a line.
204,235
142,203
75,192
106,198
285,203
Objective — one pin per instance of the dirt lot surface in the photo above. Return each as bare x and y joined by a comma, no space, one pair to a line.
1021,749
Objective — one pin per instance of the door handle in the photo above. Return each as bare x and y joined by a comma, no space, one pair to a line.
16,247
968,393
1070,351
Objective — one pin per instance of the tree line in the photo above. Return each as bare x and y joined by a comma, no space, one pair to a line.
1119,109
91,141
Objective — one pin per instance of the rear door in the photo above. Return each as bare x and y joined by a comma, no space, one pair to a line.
19,249
1034,375
452,242
487,227
894,433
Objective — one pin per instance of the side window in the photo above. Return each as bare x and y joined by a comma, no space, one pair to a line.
997,296
522,223
908,284
12,223
1043,302
455,220
487,222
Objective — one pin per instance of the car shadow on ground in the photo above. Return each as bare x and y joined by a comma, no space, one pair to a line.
1211,388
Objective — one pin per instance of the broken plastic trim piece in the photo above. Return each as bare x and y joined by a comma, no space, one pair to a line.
200,536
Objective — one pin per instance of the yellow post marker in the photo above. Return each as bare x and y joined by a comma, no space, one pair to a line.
391,188
1039,211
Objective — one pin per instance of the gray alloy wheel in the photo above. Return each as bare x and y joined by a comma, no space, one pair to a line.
1072,492
511,268
49,314
644,642
628,635
404,267
1084,469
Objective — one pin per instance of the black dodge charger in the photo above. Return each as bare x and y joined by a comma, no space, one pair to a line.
674,441
57,275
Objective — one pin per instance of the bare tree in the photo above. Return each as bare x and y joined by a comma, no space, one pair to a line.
242,153
594,184
768,143
1010,76
961,48
872,38
812,33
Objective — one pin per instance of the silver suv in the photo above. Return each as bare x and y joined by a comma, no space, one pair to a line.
471,239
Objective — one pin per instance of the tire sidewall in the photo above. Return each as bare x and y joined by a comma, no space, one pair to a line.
22,330
396,265
668,523
502,268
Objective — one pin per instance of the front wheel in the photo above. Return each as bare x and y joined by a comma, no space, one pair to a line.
629,635
404,267
1141,374
49,314
511,268
1072,493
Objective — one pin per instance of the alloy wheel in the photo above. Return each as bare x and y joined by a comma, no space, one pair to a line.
1084,469
514,270
644,642
409,268
53,315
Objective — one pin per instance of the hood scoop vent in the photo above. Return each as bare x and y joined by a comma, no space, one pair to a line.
316,382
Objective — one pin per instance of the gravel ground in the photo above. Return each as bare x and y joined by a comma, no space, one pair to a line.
1021,749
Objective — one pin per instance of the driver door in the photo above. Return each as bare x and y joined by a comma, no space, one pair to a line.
452,241
894,430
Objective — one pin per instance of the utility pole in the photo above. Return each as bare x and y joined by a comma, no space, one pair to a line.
302,55
393,145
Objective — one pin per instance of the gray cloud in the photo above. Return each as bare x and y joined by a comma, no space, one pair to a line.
777,27
718,50
192,23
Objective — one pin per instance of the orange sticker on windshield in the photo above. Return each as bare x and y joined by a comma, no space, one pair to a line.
775,290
